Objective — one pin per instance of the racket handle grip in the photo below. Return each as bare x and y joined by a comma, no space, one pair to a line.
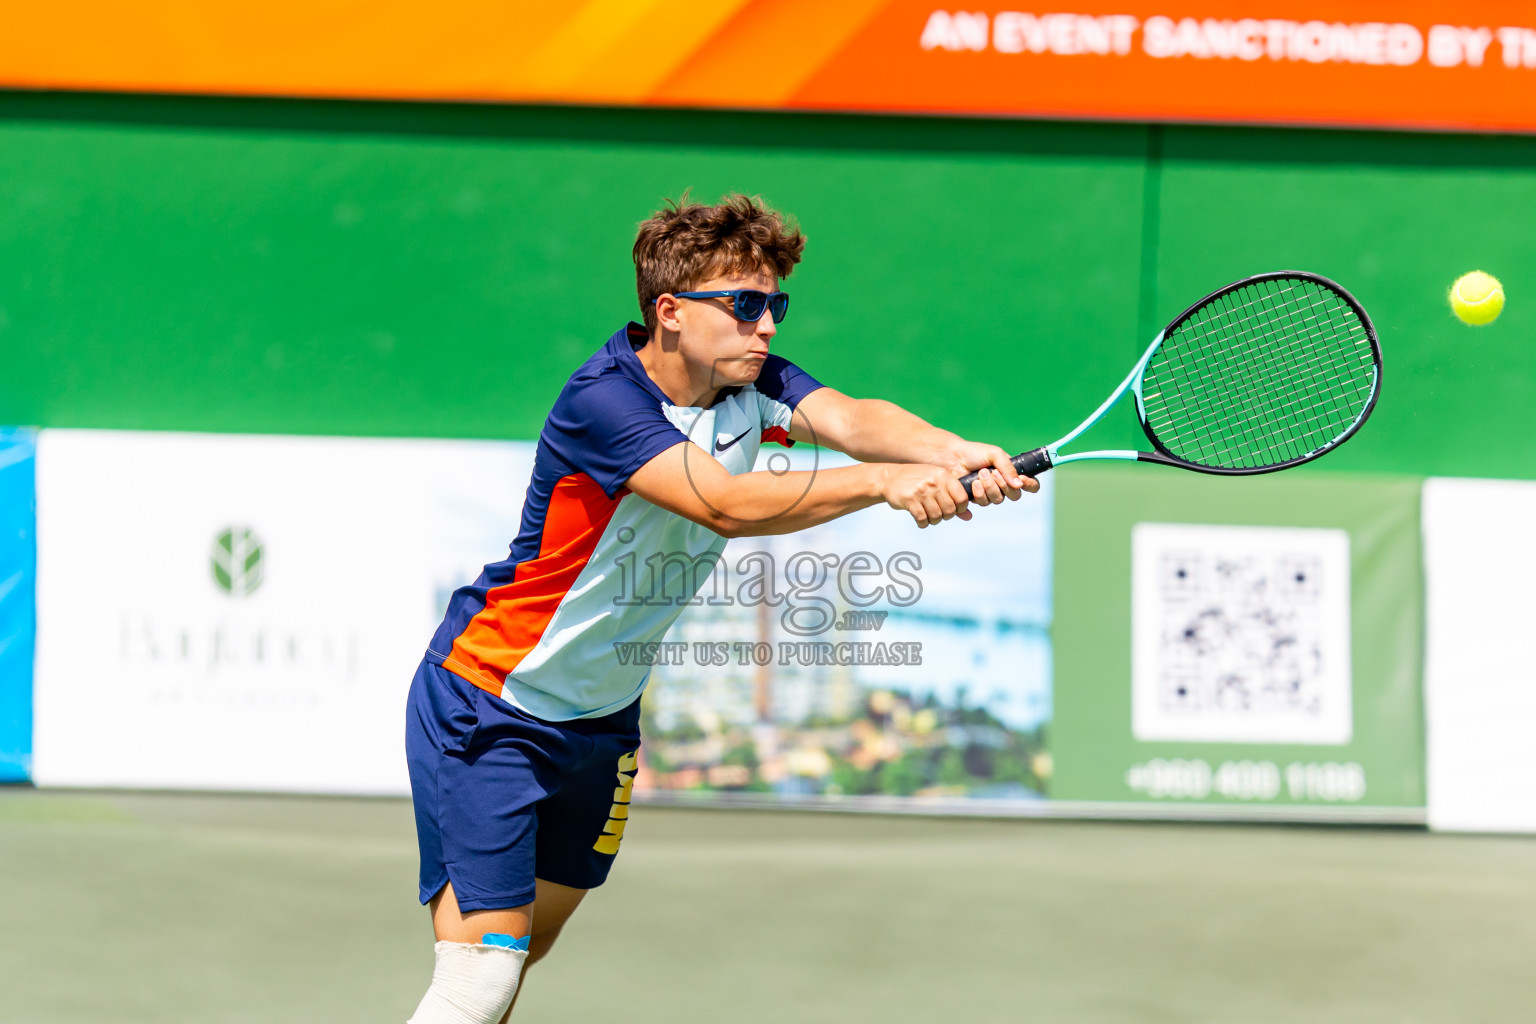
1031,463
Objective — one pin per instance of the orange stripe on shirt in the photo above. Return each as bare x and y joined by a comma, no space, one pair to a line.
516,615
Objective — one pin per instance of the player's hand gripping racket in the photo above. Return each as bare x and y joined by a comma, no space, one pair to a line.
1268,373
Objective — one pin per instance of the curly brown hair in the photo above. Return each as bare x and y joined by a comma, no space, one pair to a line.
685,243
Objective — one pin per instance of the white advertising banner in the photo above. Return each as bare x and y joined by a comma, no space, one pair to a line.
1480,656
246,612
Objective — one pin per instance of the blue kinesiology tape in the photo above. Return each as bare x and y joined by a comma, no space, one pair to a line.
497,939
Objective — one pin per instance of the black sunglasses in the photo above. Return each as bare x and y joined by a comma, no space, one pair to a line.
747,303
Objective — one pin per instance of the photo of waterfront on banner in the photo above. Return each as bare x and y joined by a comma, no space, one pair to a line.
864,657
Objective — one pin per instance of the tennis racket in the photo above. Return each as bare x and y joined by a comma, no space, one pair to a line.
1270,372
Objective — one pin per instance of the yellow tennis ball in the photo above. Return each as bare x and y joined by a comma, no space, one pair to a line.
1477,298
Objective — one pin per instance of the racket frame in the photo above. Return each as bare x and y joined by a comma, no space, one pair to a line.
1133,382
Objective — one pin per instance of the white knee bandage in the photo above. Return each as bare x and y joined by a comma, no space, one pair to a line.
471,984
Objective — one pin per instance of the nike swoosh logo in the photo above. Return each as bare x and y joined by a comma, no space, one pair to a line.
722,447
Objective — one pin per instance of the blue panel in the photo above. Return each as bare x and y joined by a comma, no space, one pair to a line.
18,600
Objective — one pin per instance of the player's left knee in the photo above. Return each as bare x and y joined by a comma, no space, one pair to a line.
540,943
472,983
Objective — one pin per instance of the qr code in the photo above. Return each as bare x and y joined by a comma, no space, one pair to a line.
1240,634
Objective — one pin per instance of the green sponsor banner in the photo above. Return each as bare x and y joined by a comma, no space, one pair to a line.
1248,641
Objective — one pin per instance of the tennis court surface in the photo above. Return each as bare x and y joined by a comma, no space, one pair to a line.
172,908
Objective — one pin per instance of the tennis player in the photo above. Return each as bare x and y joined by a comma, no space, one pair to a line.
523,724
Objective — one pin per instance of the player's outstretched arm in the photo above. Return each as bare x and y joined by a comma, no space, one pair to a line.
686,480
873,430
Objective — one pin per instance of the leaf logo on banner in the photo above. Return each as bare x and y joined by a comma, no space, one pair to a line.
237,561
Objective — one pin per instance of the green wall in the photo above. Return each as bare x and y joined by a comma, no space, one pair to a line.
1396,219
392,269
350,268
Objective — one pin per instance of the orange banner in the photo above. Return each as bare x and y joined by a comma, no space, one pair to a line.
1411,63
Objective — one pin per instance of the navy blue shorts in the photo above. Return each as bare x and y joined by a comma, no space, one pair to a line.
503,798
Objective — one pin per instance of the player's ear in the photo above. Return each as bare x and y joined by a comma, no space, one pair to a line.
667,309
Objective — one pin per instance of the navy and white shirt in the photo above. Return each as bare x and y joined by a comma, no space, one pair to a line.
539,627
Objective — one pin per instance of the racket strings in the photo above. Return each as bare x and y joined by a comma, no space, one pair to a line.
1304,376
1245,406
1260,376
1248,382
1327,397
